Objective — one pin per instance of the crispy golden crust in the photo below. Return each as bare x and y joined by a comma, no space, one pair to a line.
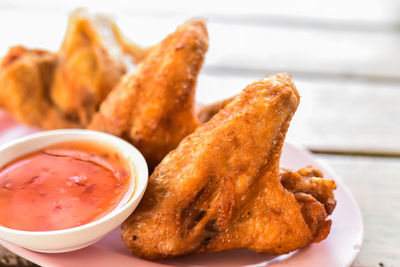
220,188
25,78
315,195
90,64
310,180
67,87
153,108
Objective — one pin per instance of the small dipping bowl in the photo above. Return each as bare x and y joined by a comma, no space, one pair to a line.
84,235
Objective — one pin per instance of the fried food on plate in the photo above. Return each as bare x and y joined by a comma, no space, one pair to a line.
315,195
90,63
221,189
25,79
153,108
67,86
308,179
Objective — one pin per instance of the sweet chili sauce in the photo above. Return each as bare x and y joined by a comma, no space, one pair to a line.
62,186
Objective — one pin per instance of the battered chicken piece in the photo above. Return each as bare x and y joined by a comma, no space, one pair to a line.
310,180
304,180
307,180
25,78
153,108
220,188
90,63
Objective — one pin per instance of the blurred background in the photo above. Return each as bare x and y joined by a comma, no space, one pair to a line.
344,57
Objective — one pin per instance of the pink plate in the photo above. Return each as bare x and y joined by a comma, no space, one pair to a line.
339,249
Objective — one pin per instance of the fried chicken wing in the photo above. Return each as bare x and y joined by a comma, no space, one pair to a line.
307,180
153,108
310,180
25,79
221,189
90,63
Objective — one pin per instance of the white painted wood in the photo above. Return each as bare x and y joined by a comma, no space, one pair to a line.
334,115
364,11
374,183
322,43
239,46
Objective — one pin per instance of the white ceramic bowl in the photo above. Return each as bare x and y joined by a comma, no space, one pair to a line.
84,235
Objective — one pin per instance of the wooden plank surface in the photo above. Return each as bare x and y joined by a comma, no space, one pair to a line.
244,47
375,183
344,115
349,78
367,12
345,59
7,258
338,113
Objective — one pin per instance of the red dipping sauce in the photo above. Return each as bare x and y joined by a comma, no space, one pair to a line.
62,186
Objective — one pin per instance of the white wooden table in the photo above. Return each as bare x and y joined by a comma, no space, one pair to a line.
344,57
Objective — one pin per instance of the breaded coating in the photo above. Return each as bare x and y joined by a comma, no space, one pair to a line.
90,63
153,108
307,180
315,195
25,79
220,189
310,180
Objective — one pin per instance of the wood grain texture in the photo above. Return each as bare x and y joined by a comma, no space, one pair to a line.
345,59
375,183
307,43
7,258
350,82
343,115
334,12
